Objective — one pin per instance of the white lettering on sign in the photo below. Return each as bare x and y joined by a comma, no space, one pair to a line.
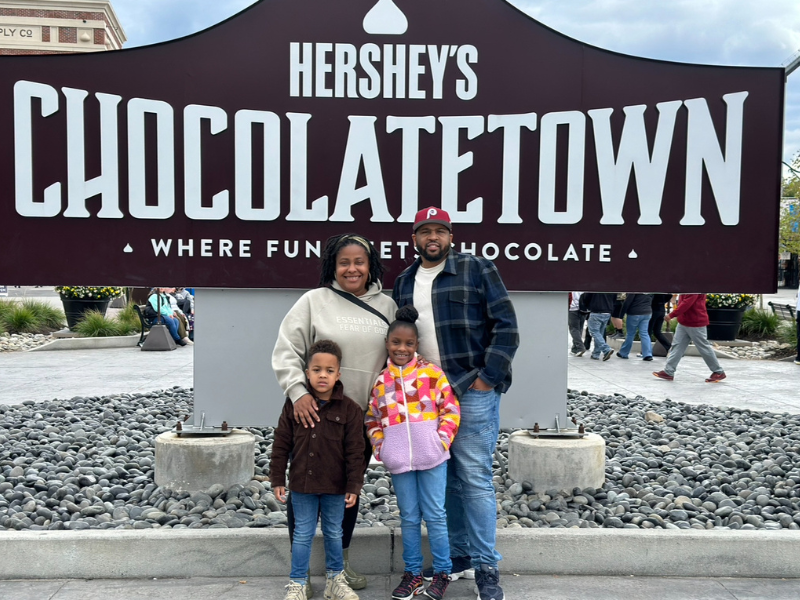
416,72
705,153
273,249
16,33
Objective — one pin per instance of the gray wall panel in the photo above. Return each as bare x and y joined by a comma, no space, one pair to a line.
237,329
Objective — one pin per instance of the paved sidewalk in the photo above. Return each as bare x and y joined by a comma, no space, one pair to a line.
755,384
42,376
380,587
758,385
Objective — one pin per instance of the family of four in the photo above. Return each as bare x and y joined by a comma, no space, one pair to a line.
415,379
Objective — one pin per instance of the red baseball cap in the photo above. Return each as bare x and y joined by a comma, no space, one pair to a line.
432,215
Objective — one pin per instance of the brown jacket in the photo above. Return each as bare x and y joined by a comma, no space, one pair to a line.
326,459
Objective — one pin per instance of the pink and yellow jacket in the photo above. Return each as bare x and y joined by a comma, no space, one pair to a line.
412,416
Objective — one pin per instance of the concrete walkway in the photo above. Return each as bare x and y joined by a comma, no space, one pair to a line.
41,376
758,385
380,588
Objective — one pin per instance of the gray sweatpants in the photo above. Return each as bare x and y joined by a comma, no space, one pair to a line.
680,342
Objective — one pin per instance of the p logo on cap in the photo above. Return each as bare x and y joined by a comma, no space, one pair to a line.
430,215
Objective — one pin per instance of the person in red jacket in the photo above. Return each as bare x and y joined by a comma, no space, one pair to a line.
692,321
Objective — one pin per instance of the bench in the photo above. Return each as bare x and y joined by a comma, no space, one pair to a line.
785,312
144,321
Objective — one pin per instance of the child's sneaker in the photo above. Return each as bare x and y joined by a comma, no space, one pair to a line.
336,588
410,585
295,591
438,586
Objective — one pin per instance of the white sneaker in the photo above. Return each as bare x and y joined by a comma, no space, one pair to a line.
187,341
336,588
295,591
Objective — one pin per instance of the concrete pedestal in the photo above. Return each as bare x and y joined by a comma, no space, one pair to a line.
557,463
195,462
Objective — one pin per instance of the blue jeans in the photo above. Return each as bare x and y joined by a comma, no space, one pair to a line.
597,325
470,503
306,509
421,495
172,325
632,324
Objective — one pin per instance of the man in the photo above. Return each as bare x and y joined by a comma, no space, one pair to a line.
468,327
599,307
692,321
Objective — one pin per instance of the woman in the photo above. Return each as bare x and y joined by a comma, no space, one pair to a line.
349,308
162,312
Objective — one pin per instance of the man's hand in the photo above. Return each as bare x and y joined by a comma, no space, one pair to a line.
305,411
280,493
350,500
480,385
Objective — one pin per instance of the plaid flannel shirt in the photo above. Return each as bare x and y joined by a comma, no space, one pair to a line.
476,325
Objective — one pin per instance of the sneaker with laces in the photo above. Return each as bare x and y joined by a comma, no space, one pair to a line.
336,588
410,585
663,375
607,355
461,569
488,583
295,591
438,586
716,377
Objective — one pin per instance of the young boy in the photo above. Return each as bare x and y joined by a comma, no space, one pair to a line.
326,471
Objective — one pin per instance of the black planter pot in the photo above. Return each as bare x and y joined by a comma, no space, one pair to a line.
724,323
75,307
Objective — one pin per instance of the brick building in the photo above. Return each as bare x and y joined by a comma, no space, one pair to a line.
58,26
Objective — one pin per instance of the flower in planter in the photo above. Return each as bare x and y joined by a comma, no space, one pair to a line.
89,292
730,300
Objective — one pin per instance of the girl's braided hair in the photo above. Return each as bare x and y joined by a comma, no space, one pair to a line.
335,244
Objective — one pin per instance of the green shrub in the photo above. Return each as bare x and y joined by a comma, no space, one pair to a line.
5,308
96,324
49,317
759,323
21,319
29,316
129,320
787,334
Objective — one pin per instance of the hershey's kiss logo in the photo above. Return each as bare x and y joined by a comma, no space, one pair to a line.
633,254
128,249
385,18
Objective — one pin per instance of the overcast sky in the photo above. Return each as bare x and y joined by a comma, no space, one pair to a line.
722,32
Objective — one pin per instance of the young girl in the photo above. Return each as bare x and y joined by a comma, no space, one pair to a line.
411,420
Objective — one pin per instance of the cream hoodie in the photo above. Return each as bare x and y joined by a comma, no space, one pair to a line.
321,314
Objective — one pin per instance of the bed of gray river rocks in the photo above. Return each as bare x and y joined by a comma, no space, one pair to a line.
88,463
20,342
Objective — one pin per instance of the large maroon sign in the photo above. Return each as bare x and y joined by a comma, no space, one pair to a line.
227,158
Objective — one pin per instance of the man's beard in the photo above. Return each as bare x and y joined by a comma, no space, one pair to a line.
433,257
